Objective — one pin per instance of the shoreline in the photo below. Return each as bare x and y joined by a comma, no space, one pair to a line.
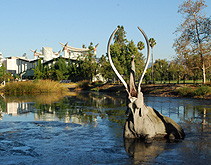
161,90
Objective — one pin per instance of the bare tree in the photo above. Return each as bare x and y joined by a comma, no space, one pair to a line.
194,33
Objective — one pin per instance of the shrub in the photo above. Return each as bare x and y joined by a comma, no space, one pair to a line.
84,84
185,91
97,83
202,90
208,83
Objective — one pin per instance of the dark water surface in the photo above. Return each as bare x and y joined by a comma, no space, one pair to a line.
87,128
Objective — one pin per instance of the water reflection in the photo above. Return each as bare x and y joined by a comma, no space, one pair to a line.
84,108
101,118
87,106
143,152
16,108
75,108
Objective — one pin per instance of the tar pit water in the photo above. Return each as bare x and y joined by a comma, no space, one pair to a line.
87,128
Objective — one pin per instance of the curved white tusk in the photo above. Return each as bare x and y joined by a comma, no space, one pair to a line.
111,62
147,61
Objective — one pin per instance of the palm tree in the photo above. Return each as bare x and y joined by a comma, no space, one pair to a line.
152,43
140,45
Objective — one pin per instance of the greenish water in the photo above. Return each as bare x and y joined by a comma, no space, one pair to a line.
87,128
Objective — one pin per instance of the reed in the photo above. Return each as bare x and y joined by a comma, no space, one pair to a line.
33,87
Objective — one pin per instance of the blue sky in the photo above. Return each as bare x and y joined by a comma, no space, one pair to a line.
33,24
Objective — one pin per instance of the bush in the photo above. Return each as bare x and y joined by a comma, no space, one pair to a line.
97,83
185,91
202,90
83,84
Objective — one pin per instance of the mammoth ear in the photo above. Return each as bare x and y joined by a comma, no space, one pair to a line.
133,91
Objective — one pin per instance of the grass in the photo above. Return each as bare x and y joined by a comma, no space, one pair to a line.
33,87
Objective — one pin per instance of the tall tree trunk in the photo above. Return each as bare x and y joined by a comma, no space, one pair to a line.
204,73
200,52
203,67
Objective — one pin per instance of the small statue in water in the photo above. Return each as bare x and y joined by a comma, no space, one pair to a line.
144,122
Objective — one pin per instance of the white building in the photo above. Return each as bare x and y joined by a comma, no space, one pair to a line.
21,65
18,65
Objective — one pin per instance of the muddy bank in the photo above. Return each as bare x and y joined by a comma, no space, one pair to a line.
162,90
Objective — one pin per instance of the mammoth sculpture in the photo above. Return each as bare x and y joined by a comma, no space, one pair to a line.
144,122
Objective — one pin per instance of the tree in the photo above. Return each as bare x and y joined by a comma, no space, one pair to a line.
139,59
120,36
121,52
39,70
105,68
152,43
140,46
161,69
60,68
118,52
177,70
4,76
194,35
2,70
85,66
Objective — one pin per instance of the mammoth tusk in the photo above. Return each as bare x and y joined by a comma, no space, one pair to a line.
147,61
111,62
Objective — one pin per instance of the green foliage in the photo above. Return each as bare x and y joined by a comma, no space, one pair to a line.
121,52
194,35
185,92
105,68
140,45
161,69
120,36
60,70
85,66
2,70
202,90
38,71
7,77
4,76
147,75
152,42
84,84
189,92
97,83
